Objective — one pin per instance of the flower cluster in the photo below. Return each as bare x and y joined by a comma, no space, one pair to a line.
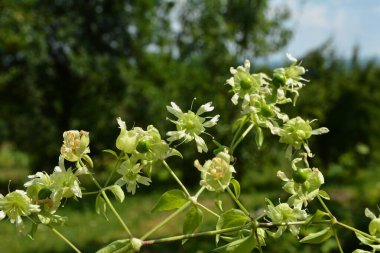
190,125
143,150
216,174
261,97
44,193
284,213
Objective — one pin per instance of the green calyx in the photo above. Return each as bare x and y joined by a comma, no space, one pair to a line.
278,80
143,146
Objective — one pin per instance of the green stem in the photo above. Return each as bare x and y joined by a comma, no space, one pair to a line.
238,202
176,178
357,231
90,193
169,218
325,207
116,214
237,133
337,241
278,224
241,137
111,206
182,237
112,172
65,239
195,201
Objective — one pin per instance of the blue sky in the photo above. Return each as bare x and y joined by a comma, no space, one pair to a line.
346,22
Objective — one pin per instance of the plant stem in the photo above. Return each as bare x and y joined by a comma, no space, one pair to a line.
170,217
258,241
195,201
176,178
111,206
357,231
65,239
90,193
237,134
238,202
278,224
112,172
241,138
182,237
337,241
116,214
325,207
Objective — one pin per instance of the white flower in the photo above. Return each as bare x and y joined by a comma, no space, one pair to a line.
190,125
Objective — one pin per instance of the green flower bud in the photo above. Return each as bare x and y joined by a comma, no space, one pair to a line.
44,193
246,81
136,244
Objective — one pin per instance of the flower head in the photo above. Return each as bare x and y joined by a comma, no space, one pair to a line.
190,125
130,173
284,213
15,205
75,145
243,83
216,174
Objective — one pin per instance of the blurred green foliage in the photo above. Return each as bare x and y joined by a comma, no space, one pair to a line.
67,64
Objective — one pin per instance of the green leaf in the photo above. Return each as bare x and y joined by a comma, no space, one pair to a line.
170,200
33,230
244,245
317,216
110,151
100,205
324,195
193,219
361,251
365,240
231,218
259,137
236,186
117,192
318,237
88,160
173,152
117,246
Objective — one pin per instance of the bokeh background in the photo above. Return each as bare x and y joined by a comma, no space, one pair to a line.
68,64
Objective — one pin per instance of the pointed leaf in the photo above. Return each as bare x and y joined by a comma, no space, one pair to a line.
117,192
231,218
116,246
88,160
110,151
324,195
316,217
170,200
100,205
361,251
318,237
365,240
33,230
244,245
259,137
192,221
236,186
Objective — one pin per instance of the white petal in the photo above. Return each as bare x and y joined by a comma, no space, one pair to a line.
291,58
121,123
231,81
174,109
234,99
233,71
2,215
205,108
247,64
212,122
201,145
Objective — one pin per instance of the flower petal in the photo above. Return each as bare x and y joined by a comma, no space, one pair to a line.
174,109
205,108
